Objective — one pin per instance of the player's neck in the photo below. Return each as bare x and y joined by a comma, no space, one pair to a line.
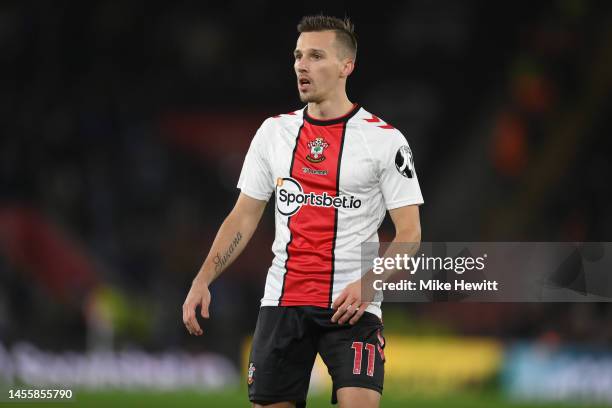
330,108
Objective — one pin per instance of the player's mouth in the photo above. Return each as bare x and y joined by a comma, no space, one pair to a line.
303,84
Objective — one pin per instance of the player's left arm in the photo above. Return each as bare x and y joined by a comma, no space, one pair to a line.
356,297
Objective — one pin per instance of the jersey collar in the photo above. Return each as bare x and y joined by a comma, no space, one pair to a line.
341,119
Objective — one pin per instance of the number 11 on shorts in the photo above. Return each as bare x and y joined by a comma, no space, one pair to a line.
358,347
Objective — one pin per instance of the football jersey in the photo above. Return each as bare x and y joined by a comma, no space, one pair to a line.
333,181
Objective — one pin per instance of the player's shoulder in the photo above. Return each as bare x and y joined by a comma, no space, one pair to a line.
375,128
272,127
291,118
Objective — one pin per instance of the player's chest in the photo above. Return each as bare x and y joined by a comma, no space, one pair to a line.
324,159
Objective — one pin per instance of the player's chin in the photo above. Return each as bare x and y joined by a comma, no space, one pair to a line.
307,97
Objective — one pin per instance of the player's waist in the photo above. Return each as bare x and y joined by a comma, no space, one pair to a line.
373,307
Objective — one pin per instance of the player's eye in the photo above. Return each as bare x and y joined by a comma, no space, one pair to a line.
316,56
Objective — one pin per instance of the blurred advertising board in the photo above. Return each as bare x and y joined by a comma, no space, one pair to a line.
440,364
541,372
26,364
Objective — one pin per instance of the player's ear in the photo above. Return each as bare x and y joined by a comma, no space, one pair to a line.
348,65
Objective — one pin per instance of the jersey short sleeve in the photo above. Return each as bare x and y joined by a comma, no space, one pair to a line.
256,176
398,179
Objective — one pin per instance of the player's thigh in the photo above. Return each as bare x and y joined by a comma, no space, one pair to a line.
281,358
354,354
349,397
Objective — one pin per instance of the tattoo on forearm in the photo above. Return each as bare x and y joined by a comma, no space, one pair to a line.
221,261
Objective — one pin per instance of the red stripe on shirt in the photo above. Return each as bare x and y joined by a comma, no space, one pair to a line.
310,264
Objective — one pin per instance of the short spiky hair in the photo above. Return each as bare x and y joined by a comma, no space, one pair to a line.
345,30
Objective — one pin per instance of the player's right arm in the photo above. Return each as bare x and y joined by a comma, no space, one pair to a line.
231,239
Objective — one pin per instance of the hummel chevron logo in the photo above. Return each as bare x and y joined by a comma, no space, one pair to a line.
376,119
288,113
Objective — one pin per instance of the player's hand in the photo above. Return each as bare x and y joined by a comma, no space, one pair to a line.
351,304
198,295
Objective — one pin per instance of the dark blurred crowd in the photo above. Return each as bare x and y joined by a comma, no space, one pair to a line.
124,124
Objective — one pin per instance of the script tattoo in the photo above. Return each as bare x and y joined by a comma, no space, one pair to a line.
220,261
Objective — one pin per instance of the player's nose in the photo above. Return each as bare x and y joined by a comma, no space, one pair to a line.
301,66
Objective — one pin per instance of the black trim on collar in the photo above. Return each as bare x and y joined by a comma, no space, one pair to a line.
334,121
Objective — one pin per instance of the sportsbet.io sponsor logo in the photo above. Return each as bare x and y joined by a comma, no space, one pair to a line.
290,197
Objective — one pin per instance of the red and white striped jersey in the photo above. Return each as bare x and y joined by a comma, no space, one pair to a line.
333,182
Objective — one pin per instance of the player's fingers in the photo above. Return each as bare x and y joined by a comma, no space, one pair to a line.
193,323
338,313
358,314
186,318
195,326
190,320
194,320
339,300
341,310
350,311
204,311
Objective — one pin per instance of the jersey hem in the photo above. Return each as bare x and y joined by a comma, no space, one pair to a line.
373,308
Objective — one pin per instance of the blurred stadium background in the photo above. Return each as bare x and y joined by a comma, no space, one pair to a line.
122,133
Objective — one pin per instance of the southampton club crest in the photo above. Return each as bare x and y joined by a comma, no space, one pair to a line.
251,373
317,147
